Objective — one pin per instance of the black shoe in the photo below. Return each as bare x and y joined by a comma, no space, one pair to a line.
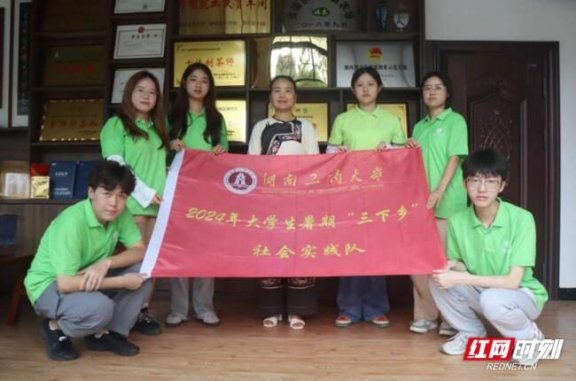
58,345
112,342
146,324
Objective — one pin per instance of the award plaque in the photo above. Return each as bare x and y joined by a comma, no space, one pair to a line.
74,16
224,17
398,109
72,120
315,113
393,60
14,179
140,41
121,76
74,66
234,112
226,60
320,15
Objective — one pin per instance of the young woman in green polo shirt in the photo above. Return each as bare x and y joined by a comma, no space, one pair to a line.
443,137
137,137
367,126
195,123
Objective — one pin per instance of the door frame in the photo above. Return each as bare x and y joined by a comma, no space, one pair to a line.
436,50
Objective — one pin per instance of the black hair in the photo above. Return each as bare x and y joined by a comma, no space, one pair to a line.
109,174
446,81
179,112
366,70
486,162
285,77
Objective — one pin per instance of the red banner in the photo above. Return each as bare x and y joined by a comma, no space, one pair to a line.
355,213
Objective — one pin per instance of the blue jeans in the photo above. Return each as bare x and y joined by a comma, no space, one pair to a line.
362,297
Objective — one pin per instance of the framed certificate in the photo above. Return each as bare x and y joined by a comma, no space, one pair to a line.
140,41
234,112
72,119
398,109
226,60
138,6
121,76
21,63
394,61
315,113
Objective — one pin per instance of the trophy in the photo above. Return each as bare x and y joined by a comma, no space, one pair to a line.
401,18
381,15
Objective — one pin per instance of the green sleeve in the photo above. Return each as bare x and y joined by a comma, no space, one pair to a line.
458,140
224,135
112,138
336,138
129,233
523,245
453,251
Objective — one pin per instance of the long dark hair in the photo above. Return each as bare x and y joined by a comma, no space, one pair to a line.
127,112
179,111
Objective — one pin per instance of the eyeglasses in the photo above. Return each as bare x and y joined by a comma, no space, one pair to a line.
428,88
490,183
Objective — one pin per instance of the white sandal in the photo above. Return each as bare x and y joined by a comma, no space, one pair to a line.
271,321
296,322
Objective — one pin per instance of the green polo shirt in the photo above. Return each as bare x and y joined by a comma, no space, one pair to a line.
360,130
194,137
509,241
144,156
441,138
73,241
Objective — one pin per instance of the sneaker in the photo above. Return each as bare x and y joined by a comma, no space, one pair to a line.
456,345
343,321
112,342
58,345
174,319
423,326
381,321
530,357
146,324
209,318
446,330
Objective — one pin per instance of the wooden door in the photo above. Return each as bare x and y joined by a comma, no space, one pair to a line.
509,94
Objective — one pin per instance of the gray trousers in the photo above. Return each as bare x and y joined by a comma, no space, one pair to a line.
511,312
202,296
86,313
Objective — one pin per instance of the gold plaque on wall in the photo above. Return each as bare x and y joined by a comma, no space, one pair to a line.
224,17
74,119
226,60
234,112
315,113
74,66
398,109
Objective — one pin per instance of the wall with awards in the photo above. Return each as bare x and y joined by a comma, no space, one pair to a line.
79,67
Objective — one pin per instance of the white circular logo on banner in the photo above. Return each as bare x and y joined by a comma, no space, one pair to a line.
240,180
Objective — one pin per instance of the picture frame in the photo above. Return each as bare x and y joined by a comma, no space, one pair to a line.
20,63
317,113
235,115
398,109
140,41
121,76
139,6
226,59
394,61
